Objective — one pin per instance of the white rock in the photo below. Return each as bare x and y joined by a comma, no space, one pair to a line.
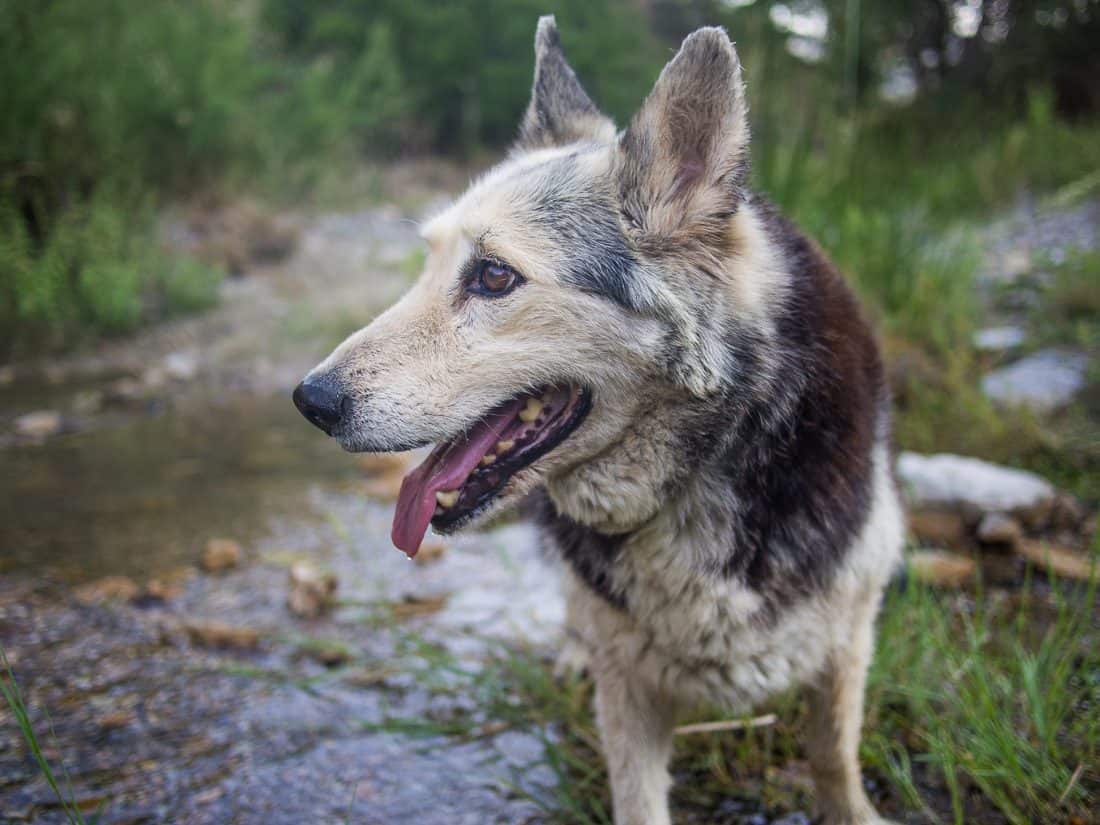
1044,381
180,366
38,425
997,339
972,486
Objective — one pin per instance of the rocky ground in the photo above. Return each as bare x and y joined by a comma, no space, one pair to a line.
200,590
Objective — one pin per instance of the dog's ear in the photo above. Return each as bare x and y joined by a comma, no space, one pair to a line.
560,111
683,160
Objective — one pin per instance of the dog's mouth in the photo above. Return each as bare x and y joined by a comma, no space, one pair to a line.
462,476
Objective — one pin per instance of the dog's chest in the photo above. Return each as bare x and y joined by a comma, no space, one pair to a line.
700,636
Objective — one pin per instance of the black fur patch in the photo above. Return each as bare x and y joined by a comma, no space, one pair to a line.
589,553
800,463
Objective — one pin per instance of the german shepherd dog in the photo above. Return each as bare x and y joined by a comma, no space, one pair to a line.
613,329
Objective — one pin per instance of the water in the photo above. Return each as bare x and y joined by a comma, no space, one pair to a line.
142,496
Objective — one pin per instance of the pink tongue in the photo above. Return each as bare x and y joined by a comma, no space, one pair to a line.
445,469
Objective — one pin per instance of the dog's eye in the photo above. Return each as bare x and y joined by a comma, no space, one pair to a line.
495,279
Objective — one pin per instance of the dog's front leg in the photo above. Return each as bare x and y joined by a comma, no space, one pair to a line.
636,728
836,716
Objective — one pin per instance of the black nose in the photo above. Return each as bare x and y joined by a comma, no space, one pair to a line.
321,403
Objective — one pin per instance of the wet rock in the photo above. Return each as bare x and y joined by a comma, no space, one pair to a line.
108,588
157,592
327,653
415,605
973,487
180,366
222,635
797,818
1060,561
1042,382
125,392
220,555
939,528
998,339
116,720
310,590
430,552
375,464
940,568
383,488
87,402
38,425
997,528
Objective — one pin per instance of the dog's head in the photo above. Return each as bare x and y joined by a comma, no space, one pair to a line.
568,287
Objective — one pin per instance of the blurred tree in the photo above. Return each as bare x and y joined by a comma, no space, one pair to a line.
466,68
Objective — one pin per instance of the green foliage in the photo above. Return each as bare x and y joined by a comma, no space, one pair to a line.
460,74
998,696
96,272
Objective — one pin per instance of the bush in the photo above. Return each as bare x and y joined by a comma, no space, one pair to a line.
464,70
96,272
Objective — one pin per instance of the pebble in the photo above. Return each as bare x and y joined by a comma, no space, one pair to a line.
1044,381
997,339
38,425
108,588
938,567
180,366
997,528
220,634
310,590
220,555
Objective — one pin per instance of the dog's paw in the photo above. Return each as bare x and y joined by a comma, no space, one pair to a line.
573,659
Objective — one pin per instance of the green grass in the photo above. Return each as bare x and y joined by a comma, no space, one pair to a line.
62,787
980,708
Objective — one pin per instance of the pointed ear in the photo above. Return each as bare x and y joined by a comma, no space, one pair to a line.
683,161
559,112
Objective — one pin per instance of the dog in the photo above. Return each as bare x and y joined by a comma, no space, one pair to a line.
615,331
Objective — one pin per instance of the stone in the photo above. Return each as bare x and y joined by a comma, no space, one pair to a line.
375,464
997,528
180,366
125,391
416,605
939,528
222,635
108,588
383,488
973,487
87,402
940,568
797,818
430,552
310,590
1061,561
1044,381
38,425
220,555
998,339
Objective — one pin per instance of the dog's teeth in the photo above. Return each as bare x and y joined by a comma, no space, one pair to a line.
531,411
446,498
487,459
505,446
